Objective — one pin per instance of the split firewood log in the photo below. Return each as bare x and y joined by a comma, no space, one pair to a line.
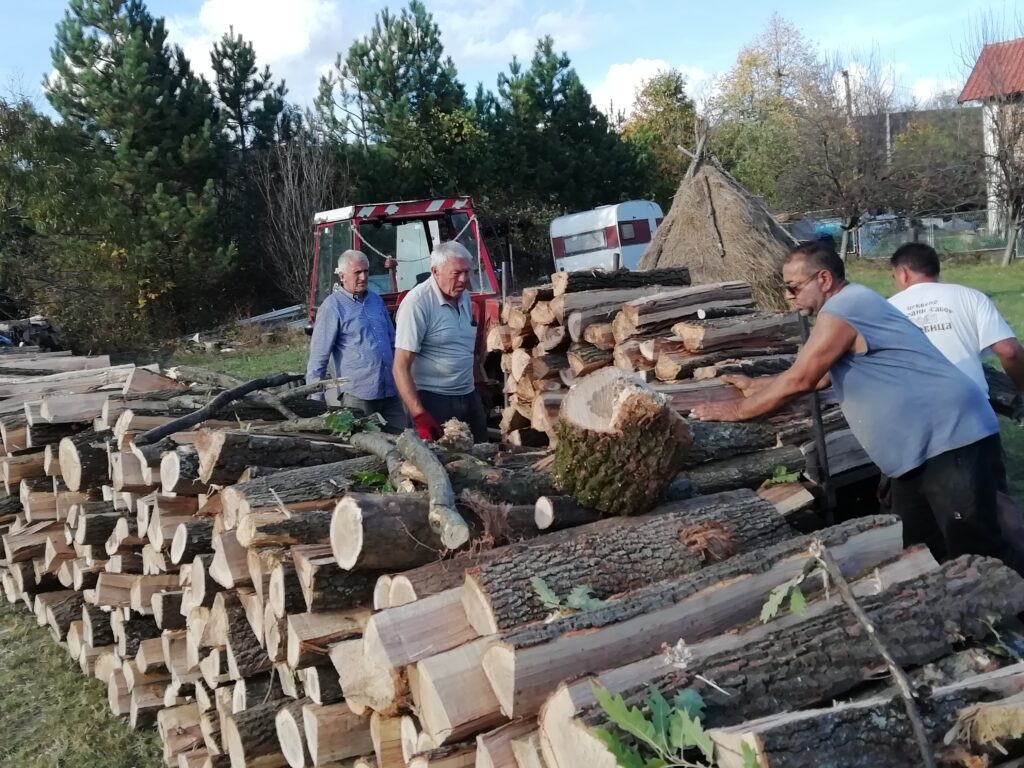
619,444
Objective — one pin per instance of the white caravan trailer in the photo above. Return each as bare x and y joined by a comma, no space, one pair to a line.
590,240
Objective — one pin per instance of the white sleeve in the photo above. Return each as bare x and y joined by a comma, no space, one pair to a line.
991,325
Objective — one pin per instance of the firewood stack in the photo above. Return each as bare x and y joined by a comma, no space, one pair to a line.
274,595
679,338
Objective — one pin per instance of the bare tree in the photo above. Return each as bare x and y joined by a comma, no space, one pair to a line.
296,179
840,126
985,55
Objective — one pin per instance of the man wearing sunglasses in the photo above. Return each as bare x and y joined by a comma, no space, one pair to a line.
919,418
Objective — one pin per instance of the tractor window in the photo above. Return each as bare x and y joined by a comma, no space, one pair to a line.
481,281
334,240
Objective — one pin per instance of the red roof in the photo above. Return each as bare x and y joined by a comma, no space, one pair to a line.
998,72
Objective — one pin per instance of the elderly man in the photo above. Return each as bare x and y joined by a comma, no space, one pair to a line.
435,347
960,321
922,421
353,328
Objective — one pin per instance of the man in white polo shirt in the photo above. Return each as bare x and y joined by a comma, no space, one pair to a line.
960,321
435,347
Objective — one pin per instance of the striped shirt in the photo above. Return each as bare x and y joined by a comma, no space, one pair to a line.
357,334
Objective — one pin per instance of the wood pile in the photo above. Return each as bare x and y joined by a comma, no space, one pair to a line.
272,595
679,338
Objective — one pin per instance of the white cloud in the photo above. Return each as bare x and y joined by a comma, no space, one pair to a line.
925,89
483,30
297,39
617,91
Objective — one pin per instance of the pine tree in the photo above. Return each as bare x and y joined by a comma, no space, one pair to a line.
251,104
148,229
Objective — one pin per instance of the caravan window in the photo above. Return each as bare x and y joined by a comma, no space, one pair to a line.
585,242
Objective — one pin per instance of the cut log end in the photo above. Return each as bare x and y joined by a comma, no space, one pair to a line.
449,525
347,533
478,608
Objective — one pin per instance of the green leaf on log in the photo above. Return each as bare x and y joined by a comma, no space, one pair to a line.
545,594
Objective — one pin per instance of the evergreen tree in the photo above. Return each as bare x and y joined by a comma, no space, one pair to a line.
146,225
251,104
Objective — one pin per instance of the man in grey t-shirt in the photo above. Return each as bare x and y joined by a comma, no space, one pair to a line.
435,347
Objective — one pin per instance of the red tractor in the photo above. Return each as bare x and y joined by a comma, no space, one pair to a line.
398,238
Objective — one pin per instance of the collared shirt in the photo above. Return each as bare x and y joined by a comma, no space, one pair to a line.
356,332
442,335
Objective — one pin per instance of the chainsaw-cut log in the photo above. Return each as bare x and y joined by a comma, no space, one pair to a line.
450,756
386,735
545,410
627,357
229,566
83,460
295,489
255,690
284,591
329,587
321,684
494,748
62,611
368,683
747,471
145,587
511,485
167,609
876,731
657,309
527,664
555,338
717,440
787,498
547,366
554,513
223,456
383,532
586,358
542,314
130,632
246,656
530,296
619,444
262,529
30,541
411,632
452,695
597,279
499,338
250,737
192,538
23,465
512,420
598,305
96,629
619,554
291,735
95,522
72,408
311,635
41,434
119,698
334,733
767,365
760,330
678,363
179,472
601,335
800,662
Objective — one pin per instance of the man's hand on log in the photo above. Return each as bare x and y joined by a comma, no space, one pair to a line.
744,384
717,412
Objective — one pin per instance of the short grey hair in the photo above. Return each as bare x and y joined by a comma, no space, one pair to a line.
445,252
350,256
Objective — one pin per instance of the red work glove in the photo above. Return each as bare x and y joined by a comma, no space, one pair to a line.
426,427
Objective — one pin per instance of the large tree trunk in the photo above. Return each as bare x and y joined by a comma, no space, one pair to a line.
223,456
619,444
619,554
1012,234
527,664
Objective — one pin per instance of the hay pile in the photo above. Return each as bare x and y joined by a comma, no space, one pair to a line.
721,232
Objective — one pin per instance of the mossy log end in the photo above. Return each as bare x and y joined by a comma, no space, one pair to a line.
619,444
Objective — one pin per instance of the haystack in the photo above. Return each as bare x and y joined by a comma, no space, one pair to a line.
721,232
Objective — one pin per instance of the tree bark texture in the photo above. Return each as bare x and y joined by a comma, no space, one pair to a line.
223,456
747,471
814,661
265,529
717,440
519,485
332,588
83,460
596,279
677,363
621,554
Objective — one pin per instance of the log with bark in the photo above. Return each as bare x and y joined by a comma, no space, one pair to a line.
597,279
677,363
655,309
527,664
799,662
761,330
619,554
223,456
273,528
586,358
83,460
383,532
768,365
619,444
746,471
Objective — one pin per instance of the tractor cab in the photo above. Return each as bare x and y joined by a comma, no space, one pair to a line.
397,238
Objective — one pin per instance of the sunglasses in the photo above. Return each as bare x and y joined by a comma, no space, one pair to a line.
792,291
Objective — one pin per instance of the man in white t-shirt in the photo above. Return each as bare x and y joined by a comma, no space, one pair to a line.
960,321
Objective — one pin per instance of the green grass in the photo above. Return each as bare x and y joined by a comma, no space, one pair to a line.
249,363
1005,286
51,714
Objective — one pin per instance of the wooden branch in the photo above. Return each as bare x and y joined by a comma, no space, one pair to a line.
822,554
225,397
443,517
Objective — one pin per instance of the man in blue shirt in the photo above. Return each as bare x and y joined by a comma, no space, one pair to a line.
919,418
353,328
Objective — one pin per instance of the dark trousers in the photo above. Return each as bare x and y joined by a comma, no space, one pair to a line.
467,408
951,501
390,408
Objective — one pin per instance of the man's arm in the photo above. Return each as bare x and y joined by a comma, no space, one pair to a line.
830,339
1011,355
402,370
321,344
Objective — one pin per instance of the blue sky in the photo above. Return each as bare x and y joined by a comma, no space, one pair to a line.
613,45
